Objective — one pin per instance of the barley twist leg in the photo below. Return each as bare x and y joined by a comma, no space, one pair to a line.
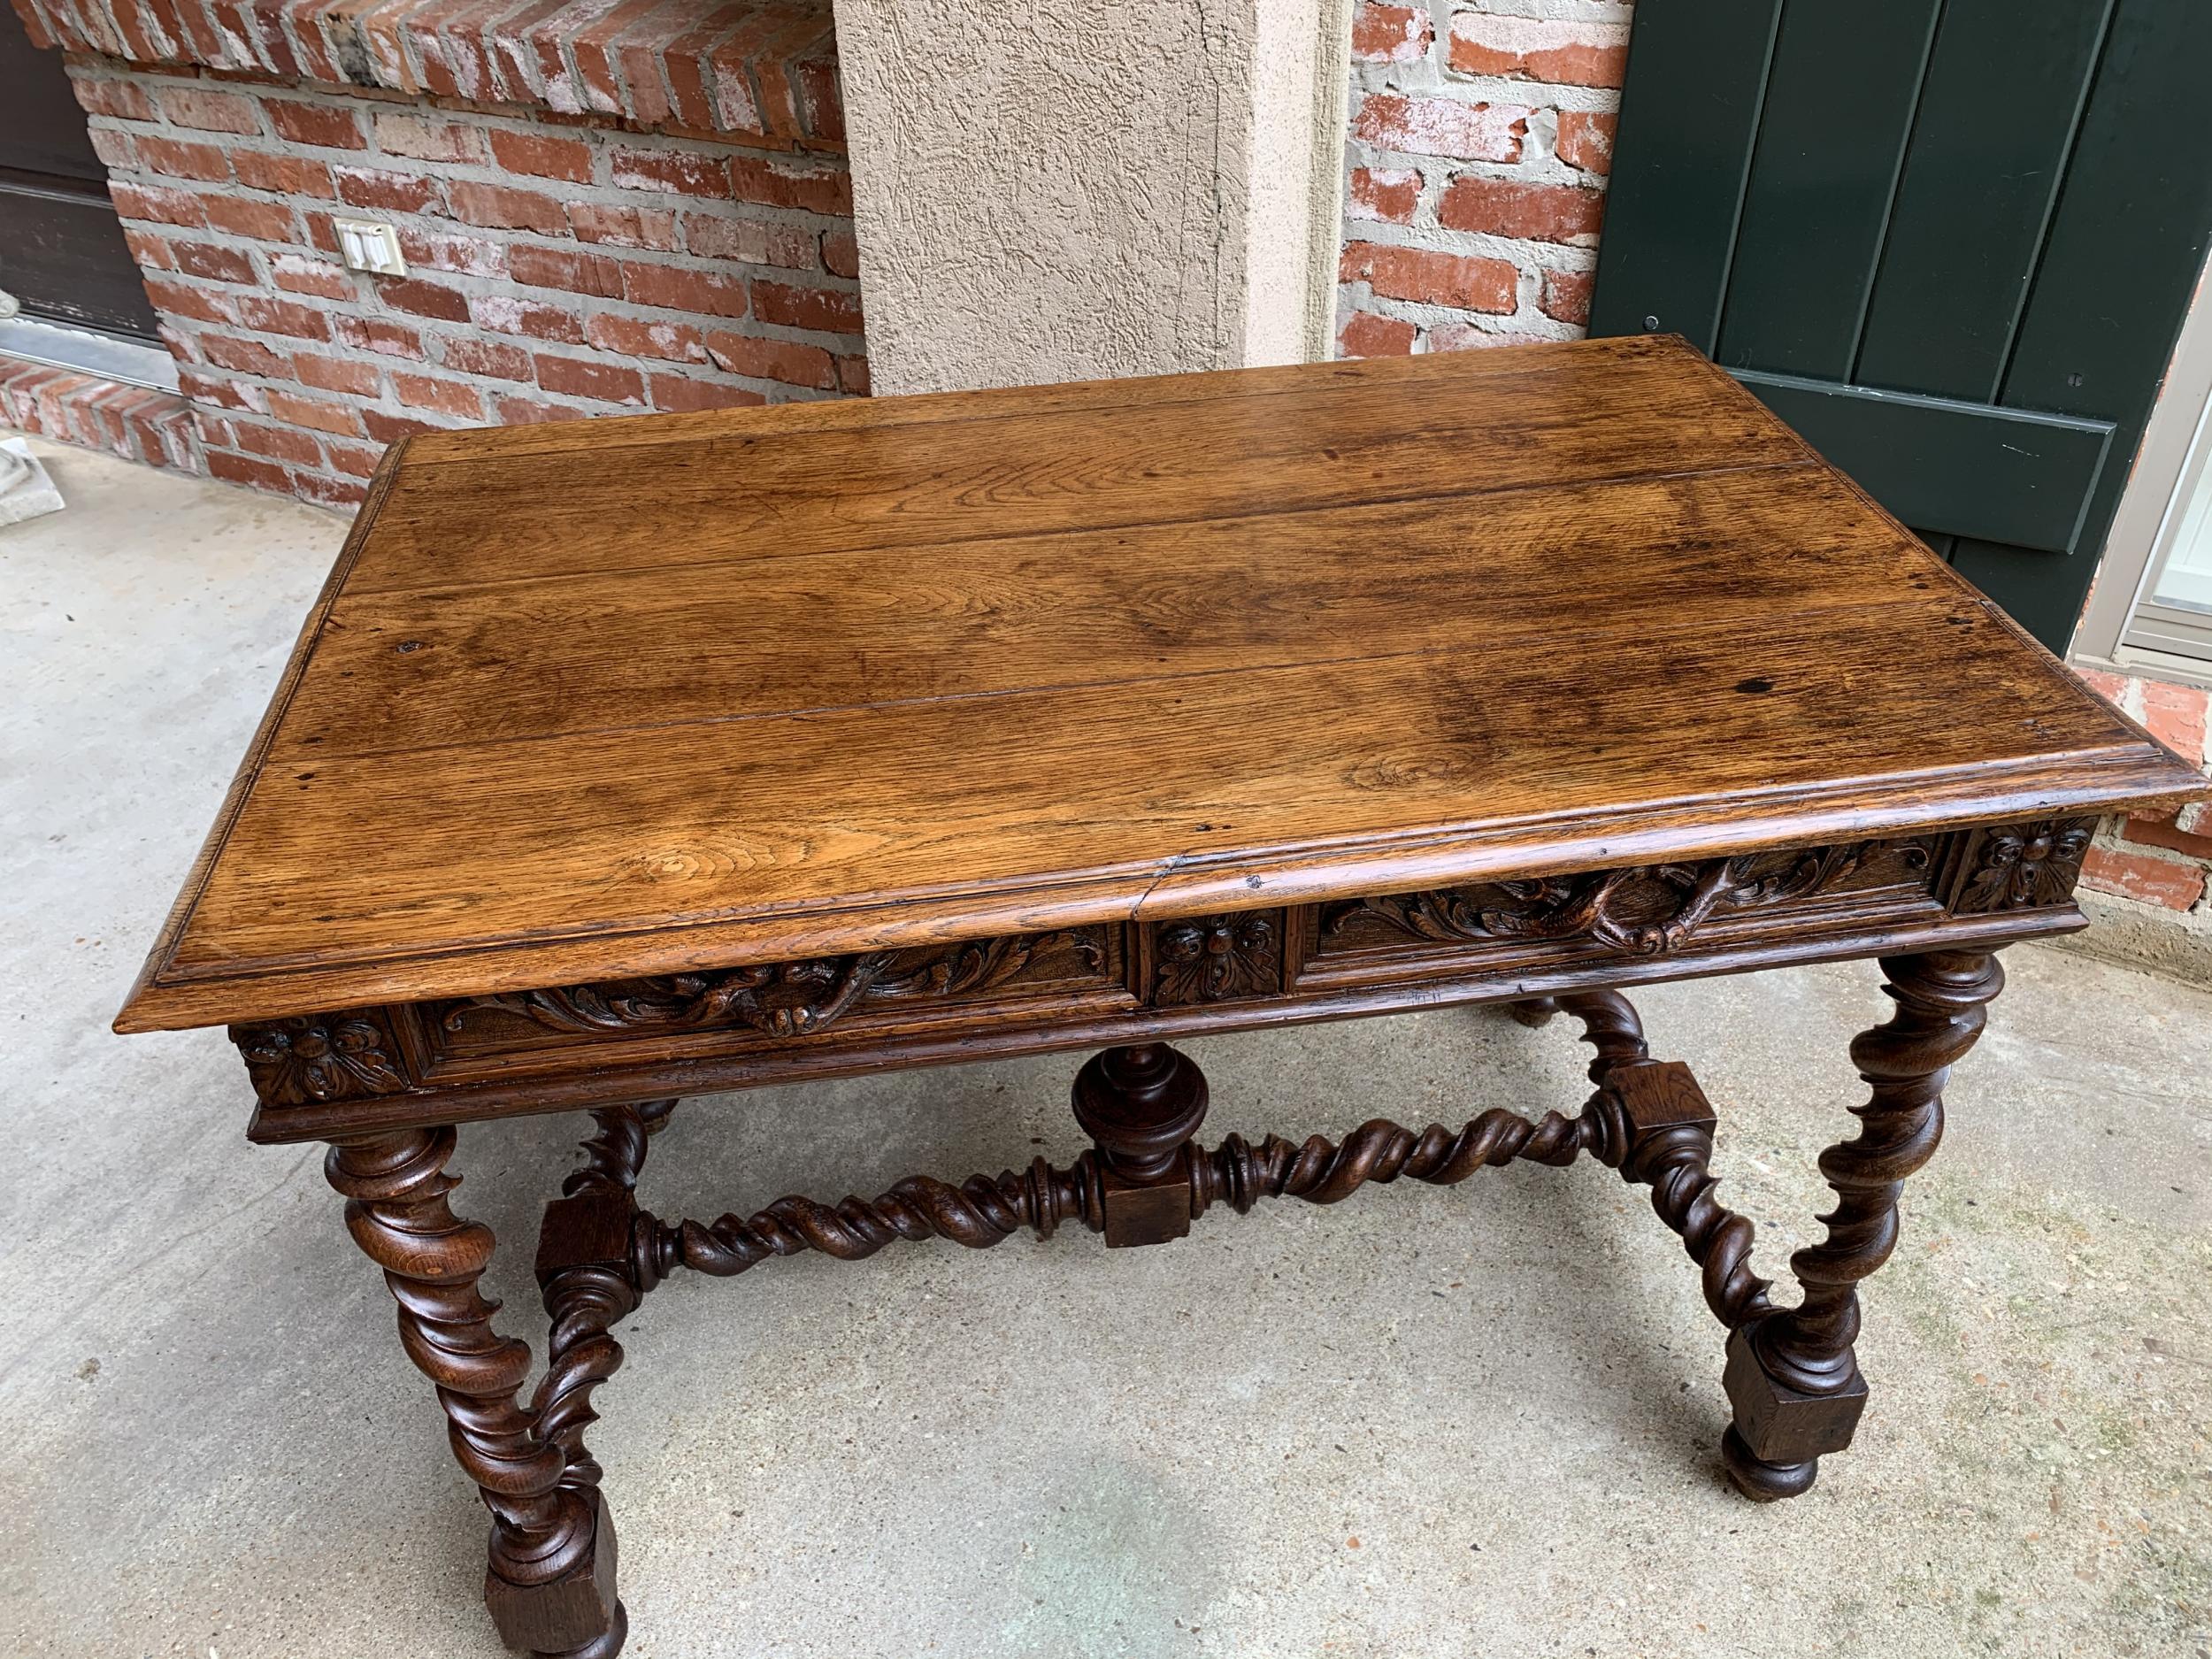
396,1191
592,1277
1794,1375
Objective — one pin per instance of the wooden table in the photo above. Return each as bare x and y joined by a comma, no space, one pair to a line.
672,755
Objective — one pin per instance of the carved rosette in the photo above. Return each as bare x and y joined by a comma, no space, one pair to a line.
1648,909
1217,958
787,999
2021,866
317,1057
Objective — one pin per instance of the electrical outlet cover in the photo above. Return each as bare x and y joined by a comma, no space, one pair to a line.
365,245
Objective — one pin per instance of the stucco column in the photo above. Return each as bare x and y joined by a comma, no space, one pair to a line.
1068,189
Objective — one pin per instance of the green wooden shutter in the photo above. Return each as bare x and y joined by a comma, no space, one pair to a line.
1951,242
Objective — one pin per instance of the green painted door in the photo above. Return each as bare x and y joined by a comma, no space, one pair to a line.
1951,242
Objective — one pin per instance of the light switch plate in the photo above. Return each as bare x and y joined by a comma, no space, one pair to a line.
365,245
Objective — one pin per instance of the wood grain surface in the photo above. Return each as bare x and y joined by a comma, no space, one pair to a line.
758,685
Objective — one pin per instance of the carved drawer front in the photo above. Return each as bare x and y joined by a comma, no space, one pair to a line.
1640,910
1201,959
833,1000
2020,866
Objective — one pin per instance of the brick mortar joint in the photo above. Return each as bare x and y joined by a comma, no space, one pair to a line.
437,225
273,419
1421,81
1527,252
2113,836
387,400
468,285
503,237
516,119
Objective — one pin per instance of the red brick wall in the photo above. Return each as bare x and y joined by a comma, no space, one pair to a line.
1480,144
558,266
2166,860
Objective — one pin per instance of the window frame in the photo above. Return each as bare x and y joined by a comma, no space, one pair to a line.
2121,619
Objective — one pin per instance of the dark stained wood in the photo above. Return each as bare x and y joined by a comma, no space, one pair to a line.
875,677
1156,1098
547,1570
1141,1105
583,1080
1667,1128
1793,1376
589,1274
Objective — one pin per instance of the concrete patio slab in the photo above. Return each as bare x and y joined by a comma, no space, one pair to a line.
1430,1423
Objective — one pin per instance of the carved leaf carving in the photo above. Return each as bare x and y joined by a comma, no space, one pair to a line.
321,1057
1213,958
1648,909
2022,865
787,999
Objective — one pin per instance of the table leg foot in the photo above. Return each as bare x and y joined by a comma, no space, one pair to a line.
1764,1482
1773,1448
601,1646
576,1613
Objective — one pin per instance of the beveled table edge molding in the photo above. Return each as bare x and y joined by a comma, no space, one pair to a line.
264,733
2130,778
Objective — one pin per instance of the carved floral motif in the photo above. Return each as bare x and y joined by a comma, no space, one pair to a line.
1212,958
2022,865
1649,910
785,999
319,1057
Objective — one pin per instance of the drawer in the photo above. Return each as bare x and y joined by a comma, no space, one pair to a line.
851,1001
1629,913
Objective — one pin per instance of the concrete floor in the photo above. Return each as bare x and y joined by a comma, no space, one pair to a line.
1469,1422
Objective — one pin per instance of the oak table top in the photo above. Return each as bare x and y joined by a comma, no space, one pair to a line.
627,698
